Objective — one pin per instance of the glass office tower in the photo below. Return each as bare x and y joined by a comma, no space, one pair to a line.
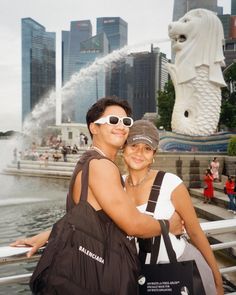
137,78
182,6
116,30
38,64
233,7
92,87
79,32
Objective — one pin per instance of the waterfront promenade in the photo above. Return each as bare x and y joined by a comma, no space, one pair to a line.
171,162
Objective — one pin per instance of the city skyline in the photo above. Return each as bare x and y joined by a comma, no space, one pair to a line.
147,22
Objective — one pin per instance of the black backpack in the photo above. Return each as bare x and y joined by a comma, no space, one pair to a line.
86,252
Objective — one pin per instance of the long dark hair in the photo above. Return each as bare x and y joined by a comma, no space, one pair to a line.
208,171
230,179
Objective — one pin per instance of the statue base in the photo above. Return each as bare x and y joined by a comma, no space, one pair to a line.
174,142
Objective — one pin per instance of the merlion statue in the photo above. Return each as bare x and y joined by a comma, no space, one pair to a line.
197,40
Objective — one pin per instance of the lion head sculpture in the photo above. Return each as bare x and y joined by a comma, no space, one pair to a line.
197,39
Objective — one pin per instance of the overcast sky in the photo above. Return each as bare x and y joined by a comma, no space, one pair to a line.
147,21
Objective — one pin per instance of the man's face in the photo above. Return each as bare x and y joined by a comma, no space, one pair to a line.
114,135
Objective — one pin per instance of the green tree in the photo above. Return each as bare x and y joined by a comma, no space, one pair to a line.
228,108
232,146
165,102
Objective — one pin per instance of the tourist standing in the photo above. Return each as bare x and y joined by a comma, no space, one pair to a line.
15,155
46,158
81,139
229,186
64,152
215,165
139,152
86,140
208,186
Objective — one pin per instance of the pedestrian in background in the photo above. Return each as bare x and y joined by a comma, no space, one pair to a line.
64,152
215,166
229,189
208,186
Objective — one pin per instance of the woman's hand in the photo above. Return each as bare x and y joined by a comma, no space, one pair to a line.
176,224
35,242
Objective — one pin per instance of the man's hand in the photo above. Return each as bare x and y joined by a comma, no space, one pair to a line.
35,242
176,224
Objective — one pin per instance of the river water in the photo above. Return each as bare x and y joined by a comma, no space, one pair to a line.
28,205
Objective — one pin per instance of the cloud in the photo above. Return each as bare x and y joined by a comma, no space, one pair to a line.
10,77
10,121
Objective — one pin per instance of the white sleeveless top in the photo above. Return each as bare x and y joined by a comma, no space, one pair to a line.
164,210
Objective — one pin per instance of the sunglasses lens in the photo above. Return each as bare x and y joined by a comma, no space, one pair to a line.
113,120
127,122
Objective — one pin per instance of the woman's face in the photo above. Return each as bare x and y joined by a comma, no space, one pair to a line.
138,156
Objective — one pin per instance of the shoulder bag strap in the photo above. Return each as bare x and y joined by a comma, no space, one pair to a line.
85,174
83,165
84,180
151,205
155,191
167,241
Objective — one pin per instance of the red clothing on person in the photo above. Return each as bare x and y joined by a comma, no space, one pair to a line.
209,191
230,187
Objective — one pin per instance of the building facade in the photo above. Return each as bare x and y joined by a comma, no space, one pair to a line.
233,7
91,86
229,25
116,30
226,23
138,78
183,6
79,32
38,64
79,50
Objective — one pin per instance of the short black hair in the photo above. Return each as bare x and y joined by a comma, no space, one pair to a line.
98,108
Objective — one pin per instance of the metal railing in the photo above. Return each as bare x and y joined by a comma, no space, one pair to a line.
211,228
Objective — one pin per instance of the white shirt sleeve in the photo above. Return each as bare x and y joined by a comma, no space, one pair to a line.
164,208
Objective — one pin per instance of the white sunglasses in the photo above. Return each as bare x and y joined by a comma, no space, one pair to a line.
115,120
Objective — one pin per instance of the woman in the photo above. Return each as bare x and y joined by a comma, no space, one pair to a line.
208,186
215,165
230,185
138,153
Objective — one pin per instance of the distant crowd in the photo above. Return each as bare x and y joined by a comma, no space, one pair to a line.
57,149
211,176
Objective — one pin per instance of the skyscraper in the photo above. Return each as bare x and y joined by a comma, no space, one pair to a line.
79,31
229,26
137,78
182,6
93,87
38,64
233,7
226,22
116,30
